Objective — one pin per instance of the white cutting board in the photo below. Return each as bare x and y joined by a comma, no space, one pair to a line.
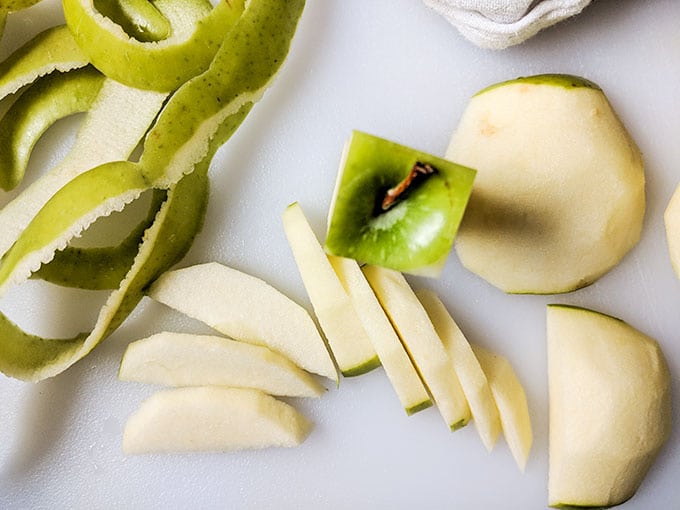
398,70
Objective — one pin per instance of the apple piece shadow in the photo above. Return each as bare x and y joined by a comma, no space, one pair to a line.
41,424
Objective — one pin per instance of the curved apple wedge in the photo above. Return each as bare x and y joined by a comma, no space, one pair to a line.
245,308
212,418
422,343
179,359
511,401
333,307
393,357
559,197
610,407
472,378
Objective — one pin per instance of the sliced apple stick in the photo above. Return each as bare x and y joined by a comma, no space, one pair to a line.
246,308
398,366
180,359
511,401
472,379
422,343
333,307
212,418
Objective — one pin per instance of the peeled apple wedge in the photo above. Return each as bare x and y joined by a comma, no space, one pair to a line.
672,224
422,343
511,401
196,35
393,357
333,307
559,195
610,407
179,359
469,371
245,308
212,418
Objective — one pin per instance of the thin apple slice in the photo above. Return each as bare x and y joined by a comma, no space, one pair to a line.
212,418
470,374
672,224
398,366
422,343
554,214
511,401
610,407
180,359
245,308
333,307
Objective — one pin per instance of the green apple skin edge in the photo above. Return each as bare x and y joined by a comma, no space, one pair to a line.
416,233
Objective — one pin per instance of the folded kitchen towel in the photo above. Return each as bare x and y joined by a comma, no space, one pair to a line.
497,24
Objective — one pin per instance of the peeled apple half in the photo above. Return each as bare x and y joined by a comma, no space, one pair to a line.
559,196
610,407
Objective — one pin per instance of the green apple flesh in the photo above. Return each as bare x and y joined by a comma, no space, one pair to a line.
393,357
51,98
511,401
610,407
245,308
415,233
161,65
559,197
422,343
333,307
470,374
178,359
212,418
51,50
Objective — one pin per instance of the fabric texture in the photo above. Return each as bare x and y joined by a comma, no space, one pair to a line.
497,24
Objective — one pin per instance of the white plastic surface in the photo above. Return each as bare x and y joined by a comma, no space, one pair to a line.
395,69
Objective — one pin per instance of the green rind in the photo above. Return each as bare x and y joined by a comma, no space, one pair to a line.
16,5
49,99
99,268
414,234
197,34
418,407
567,81
245,65
364,368
54,49
138,18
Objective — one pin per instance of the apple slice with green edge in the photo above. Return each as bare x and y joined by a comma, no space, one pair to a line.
51,98
197,32
393,357
32,358
511,401
124,114
51,50
470,374
180,359
245,308
559,197
422,343
672,224
212,418
333,307
396,207
610,407
138,18
246,63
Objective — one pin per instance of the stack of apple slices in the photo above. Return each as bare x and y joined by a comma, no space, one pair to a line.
372,312
224,388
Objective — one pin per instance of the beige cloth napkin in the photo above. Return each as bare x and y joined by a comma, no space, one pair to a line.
497,24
